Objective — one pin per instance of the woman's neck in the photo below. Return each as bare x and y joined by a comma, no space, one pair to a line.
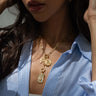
58,28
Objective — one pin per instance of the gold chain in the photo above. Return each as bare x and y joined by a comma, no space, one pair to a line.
46,62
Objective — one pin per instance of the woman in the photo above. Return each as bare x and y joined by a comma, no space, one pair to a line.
47,51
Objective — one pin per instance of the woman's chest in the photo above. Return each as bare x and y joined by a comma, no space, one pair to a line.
40,71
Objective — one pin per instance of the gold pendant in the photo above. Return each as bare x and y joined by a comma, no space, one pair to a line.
40,78
47,62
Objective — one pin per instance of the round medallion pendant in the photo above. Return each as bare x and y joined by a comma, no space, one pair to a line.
47,62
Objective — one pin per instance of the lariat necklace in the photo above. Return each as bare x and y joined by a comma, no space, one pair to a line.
46,62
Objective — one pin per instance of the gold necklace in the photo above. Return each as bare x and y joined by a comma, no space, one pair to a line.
46,62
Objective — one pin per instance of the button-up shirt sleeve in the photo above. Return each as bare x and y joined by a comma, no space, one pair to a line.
88,85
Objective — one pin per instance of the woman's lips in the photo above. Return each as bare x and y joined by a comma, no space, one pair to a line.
35,6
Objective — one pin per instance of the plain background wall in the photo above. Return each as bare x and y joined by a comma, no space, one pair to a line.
7,18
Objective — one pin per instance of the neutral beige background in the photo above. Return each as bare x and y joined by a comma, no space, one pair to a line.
7,18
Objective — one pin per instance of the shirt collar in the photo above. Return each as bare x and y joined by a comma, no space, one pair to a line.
84,46
82,43
26,53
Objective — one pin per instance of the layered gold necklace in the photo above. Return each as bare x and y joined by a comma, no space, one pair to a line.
46,62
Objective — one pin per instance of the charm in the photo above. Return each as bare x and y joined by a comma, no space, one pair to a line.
47,62
43,69
40,78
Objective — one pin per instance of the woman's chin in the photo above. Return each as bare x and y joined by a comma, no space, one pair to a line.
40,19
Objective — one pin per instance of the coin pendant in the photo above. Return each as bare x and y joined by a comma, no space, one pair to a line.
47,62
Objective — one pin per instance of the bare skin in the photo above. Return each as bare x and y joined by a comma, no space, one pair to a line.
90,18
52,25
2,5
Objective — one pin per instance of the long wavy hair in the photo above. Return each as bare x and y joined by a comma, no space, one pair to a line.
13,37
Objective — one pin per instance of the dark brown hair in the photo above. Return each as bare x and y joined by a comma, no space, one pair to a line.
13,37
